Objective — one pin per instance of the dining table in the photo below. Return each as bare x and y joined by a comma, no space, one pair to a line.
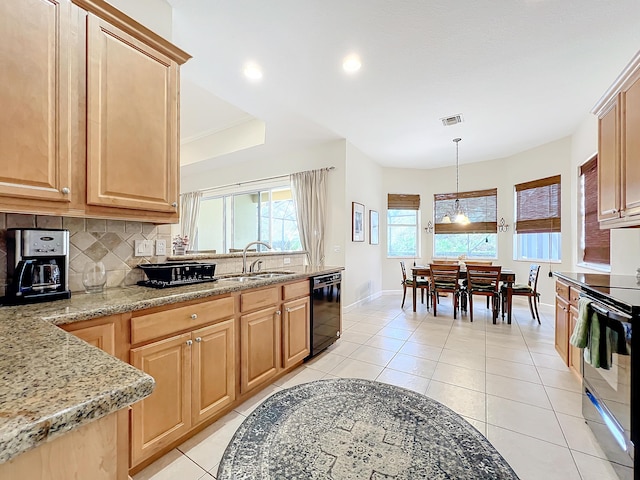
507,277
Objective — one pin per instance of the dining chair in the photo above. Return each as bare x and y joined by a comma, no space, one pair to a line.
444,279
445,262
408,283
475,263
484,280
529,290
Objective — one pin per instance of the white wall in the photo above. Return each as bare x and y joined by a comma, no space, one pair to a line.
156,15
363,261
551,159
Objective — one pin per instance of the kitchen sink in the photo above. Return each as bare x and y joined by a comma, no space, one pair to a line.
251,277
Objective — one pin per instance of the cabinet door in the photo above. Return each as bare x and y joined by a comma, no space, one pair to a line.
631,147
213,373
101,336
296,337
132,121
259,347
575,353
609,163
165,414
36,127
562,329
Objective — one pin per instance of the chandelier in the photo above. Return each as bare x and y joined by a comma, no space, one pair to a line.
458,213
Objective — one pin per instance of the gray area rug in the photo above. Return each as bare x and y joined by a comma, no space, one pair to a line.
358,429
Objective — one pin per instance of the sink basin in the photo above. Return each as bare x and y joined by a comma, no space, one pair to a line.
240,279
256,276
271,275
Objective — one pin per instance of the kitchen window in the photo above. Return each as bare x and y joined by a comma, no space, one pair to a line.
402,225
537,230
476,239
595,244
232,220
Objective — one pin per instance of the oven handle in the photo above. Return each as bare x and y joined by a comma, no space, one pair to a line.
607,311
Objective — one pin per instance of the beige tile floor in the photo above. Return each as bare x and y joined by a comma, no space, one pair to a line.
506,380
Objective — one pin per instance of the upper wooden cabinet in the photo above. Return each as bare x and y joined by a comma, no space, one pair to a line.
132,122
618,114
90,113
36,118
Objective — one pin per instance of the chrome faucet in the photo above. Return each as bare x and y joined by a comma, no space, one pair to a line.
255,265
244,253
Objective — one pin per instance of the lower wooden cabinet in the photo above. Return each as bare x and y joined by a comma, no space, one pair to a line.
164,415
213,370
562,329
260,347
296,337
195,379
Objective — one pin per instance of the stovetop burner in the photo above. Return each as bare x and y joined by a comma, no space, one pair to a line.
162,275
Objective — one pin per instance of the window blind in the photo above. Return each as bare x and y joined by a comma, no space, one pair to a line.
481,206
401,201
538,206
597,243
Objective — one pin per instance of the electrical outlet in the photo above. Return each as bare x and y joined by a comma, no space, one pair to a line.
287,261
143,248
161,248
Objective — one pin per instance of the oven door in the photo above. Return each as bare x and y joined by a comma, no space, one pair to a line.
606,405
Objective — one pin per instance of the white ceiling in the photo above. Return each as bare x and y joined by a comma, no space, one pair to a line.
521,72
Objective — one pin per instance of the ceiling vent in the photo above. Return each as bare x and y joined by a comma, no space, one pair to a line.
452,120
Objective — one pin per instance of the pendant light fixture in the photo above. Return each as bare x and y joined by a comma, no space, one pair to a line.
458,214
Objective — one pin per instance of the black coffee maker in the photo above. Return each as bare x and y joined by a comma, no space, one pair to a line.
37,265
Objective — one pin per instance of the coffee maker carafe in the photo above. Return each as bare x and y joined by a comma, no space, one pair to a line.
37,265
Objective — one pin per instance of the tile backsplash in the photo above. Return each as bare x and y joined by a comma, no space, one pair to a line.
108,241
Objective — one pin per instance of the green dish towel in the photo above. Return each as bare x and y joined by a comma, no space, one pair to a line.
592,350
580,335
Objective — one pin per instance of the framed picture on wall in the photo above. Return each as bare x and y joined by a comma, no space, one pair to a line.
357,222
374,232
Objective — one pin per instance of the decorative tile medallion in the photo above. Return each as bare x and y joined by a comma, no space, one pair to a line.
358,429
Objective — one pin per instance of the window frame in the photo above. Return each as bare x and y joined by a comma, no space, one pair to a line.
588,216
444,202
228,197
540,189
404,202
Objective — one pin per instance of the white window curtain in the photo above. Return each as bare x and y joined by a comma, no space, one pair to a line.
189,211
310,197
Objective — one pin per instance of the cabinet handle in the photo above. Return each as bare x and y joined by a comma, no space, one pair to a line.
194,316
65,191
198,339
278,312
174,204
189,342
288,309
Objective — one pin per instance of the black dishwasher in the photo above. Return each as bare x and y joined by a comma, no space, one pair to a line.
326,313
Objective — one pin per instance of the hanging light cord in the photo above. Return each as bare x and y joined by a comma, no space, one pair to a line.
457,140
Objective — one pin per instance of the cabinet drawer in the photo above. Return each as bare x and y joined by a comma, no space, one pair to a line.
295,290
259,299
562,290
159,324
574,296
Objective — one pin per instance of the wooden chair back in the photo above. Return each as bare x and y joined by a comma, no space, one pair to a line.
444,262
483,279
478,262
534,271
444,277
404,271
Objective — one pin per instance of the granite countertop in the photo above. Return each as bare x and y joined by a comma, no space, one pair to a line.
53,382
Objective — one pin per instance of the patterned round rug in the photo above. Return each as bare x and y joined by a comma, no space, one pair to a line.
358,429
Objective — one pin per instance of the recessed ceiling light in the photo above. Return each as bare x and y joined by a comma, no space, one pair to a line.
252,71
351,63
